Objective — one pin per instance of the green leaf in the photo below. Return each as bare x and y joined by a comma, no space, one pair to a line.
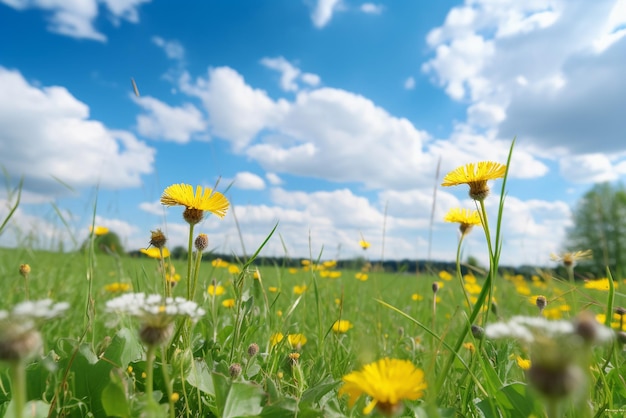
114,400
244,400
200,377
515,397
314,394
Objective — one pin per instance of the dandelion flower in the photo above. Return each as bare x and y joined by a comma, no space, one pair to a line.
598,284
364,244
117,287
203,200
99,230
476,177
465,217
342,326
298,290
276,338
19,336
154,252
569,258
522,363
296,340
361,276
387,382
216,290
155,313
228,303
444,275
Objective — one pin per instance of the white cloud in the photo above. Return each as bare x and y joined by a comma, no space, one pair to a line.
371,8
290,73
46,133
173,49
323,12
311,79
154,208
75,18
248,181
237,112
162,121
409,83
273,179
487,53
589,168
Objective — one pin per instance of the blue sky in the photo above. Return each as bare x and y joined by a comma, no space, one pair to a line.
327,116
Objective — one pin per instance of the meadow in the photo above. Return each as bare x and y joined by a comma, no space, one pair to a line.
304,339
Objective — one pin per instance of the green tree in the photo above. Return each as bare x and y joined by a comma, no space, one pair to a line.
600,225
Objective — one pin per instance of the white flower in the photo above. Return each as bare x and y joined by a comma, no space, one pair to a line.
154,307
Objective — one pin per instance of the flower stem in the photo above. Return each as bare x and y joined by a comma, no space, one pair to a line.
189,255
18,388
150,372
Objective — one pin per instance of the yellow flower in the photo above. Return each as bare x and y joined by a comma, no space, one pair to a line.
523,364
330,264
364,244
334,274
387,382
292,270
417,297
342,326
219,263
476,177
273,289
444,275
465,217
153,252
298,290
117,287
204,199
569,259
216,290
296,340
228,303
361,276
469,346
233,269
99,230
276,338
599,284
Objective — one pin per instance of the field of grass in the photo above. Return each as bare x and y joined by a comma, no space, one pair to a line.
94,363
246,339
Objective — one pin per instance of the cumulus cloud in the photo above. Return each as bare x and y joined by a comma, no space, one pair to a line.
76,18
163,121
173,49
371,8
248,181
290,73
273,179
486,54
46,134
237,112
409,83
323,12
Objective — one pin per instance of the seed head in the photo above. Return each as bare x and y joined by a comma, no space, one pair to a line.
154,335
193,216
201,242
24,270
234,370
253,349
157,239
541,303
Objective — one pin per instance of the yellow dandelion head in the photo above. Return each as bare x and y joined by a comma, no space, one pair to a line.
475,175
216,290
99,230
342,326
523,364
387,382
228,303
154,252
296,340
298,290
466,219
276,338
444,275
204,199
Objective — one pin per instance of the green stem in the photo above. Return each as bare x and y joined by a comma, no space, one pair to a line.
189,255
150,372
18,388
196,273
168,381
458,271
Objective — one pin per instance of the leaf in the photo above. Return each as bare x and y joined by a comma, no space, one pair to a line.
244,399
200,378
114,400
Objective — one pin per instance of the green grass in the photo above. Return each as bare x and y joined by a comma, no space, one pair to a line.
387,322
